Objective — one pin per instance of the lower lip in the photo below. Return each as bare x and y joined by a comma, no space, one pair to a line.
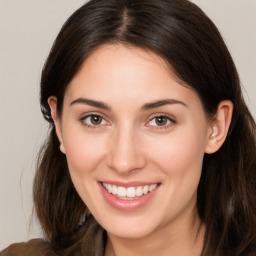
127,205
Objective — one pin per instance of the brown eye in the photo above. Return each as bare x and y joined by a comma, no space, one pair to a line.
160,121
94,120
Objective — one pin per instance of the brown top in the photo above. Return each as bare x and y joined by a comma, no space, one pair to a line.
92,244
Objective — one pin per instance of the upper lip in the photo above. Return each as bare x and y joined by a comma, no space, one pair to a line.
129,184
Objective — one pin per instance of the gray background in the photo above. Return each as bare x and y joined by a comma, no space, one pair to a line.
27,30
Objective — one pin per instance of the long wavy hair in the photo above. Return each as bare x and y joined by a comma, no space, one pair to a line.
179,32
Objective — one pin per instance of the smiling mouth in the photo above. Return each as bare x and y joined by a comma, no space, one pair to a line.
129,193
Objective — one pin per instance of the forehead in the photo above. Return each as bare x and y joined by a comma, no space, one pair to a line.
123,60
115,71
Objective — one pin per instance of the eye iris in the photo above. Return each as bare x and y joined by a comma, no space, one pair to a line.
161,120
96,120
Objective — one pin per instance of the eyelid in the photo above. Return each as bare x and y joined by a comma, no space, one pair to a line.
171,118
84,116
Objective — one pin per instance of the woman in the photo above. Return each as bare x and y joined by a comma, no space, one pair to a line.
152,148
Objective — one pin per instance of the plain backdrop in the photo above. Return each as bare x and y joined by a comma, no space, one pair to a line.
27,30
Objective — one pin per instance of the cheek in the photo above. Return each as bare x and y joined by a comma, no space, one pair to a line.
180,153
84,152
84,155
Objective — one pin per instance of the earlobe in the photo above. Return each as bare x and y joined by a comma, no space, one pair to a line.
52,101
219,127
62,148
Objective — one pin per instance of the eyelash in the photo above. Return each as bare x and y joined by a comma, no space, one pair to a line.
91,126
170,119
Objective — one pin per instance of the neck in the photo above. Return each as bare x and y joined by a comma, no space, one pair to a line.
170,240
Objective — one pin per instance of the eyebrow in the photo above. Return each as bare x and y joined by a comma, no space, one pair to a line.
93,103
160,103
147,106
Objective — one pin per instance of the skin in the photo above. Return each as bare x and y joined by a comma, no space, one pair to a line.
128,145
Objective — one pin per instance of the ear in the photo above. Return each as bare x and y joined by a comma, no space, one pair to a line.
52,101
219,126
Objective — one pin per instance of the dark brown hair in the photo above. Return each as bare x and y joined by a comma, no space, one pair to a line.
186,38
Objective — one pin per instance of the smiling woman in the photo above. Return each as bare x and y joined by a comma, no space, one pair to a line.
136,155
152,148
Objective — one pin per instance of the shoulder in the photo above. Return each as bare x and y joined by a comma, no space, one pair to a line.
34,247
90,239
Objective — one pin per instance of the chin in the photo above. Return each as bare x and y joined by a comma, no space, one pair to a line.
129,227
138,232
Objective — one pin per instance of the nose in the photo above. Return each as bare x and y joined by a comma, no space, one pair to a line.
125,153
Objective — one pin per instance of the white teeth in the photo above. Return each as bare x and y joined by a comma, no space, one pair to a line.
152,187
145,189
109,188
139,191
114,190
130,192
121,191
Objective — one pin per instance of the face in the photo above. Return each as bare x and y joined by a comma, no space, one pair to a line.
134,139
